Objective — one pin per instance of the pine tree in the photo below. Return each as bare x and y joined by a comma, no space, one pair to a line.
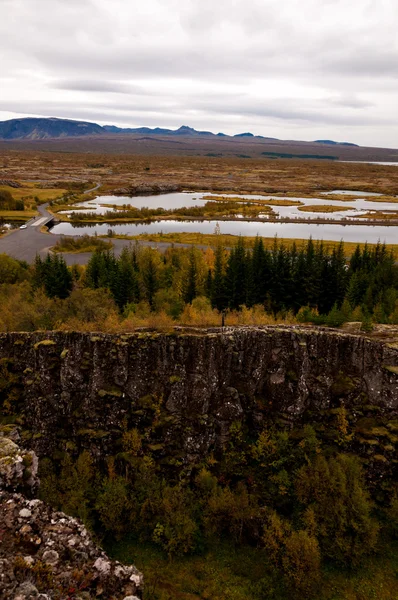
236,276
218,296
149,278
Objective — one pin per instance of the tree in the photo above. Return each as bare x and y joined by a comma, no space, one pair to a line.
54,275
149,276
218,294
236,276
191,286
335,490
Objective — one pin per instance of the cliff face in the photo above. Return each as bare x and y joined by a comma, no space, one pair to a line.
187,388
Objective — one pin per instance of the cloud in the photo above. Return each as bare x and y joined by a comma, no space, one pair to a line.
323,68
86,85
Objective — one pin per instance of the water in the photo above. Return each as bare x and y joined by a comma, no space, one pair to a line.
336,232
187,199
173,200
370,162
350,193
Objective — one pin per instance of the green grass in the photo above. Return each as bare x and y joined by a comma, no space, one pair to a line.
208,239
17,215
29,191
85,243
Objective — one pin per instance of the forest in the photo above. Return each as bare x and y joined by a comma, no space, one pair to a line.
192,286
279,512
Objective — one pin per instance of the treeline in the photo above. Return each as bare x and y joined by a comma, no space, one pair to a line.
203,287
312,283
7,202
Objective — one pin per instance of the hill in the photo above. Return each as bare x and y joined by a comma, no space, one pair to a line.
65,135
40,129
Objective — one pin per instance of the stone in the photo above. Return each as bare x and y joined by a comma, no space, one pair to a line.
51,557
102,565
59,541
222,375
7,447
27,589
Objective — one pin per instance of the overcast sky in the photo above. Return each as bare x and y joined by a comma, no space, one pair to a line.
292,69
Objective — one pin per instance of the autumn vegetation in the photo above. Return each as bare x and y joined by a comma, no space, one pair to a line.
191,286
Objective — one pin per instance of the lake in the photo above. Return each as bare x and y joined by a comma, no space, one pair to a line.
186,199
330,231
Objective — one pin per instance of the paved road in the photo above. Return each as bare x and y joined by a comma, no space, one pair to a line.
93,189
24,244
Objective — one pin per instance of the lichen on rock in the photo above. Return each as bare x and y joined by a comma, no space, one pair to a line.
45,554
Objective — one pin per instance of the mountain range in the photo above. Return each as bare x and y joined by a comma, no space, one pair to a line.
52,128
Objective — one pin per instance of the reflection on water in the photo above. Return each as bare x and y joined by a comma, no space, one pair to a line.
348,233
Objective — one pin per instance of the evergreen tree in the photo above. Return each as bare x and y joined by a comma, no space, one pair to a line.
191,287
236,276
218,296
149,278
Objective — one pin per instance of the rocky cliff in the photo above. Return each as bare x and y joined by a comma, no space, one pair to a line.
185,389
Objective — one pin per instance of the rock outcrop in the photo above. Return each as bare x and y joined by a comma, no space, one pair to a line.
144,189
78,390
44,554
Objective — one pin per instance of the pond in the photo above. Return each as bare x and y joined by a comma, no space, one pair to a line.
337,232
187,199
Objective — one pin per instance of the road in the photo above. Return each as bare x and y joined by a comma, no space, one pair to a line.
25,244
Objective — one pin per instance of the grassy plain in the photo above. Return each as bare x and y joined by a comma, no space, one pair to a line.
232,175
32,195
128,174
227,240
17,215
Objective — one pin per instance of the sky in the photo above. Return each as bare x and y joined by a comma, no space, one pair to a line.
291,69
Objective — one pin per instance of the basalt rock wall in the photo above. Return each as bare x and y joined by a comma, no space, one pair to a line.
187,387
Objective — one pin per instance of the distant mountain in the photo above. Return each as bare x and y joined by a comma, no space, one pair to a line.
332,143
53,128
147,130
40,129
184,130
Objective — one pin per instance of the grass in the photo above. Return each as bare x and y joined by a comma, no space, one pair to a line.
208,239
242,573
30,192
17,215
324,208
131,214
85,243
385,216
273,202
